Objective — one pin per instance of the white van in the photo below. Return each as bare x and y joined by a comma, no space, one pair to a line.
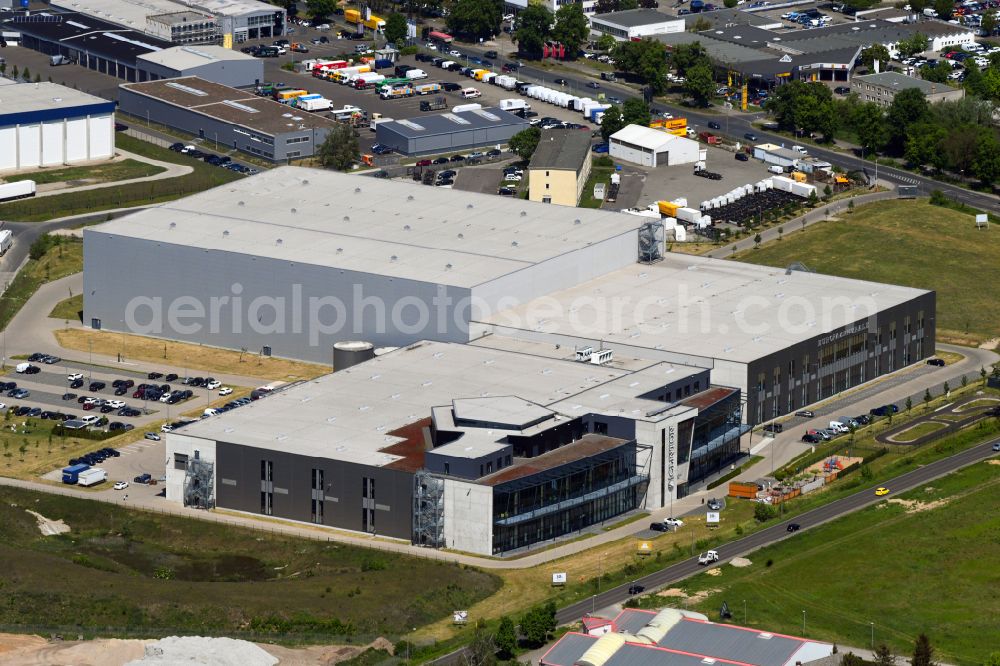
774,168
470,93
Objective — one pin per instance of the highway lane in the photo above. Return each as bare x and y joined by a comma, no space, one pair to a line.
779,531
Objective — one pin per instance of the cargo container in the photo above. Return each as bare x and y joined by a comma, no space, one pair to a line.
352,15
427,88
17,190
368,80
667,208
798,176
314,104
505,82
91,477
514,104
71,474
286,96
382,63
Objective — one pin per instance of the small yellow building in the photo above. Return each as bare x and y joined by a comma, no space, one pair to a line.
559,167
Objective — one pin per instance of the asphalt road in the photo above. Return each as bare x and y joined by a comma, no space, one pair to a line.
779,531
737,125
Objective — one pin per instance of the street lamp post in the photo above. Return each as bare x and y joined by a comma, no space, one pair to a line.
873,635
803,623
746,622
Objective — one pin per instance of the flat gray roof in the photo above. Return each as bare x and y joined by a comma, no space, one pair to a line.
130,13
897,82
561,149
230,105
709,308
350,414
233,7
446,123
634,18
26,97
186,57
392,228
718,50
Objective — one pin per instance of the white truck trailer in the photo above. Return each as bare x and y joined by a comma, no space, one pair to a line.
92,477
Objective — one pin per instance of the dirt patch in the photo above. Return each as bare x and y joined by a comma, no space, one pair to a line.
696,598
994,461
841,463
36,651
740,562
916,506
49,527
992,343
714,572
674,592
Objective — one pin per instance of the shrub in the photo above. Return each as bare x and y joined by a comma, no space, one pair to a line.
763,512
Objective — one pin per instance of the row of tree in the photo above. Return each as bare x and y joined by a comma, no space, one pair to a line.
536,25
649,61
949,136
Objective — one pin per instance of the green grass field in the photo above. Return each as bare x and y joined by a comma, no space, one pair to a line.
130,572
70,309
95,173
64,258
204,176
910,243
928,568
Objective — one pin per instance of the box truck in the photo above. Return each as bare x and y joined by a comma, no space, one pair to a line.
427,88
71,474
314,104
91,477
514,105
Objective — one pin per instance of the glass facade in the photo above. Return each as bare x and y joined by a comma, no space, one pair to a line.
716,441
567,498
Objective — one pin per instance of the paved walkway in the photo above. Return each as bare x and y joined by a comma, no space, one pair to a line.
818,214
172,171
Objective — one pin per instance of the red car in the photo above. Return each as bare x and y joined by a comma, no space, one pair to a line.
424,163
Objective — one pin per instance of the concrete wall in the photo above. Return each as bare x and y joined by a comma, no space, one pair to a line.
561,272
199,276
59,142
468,517
235,73
184,445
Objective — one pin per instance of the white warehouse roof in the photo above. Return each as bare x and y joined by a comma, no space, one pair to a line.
391,228
131,13
647,137
705,308
186,57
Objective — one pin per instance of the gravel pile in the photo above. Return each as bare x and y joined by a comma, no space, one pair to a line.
194,650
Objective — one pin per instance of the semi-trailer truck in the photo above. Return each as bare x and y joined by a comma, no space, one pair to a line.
6,241
427,88
91,477
17,190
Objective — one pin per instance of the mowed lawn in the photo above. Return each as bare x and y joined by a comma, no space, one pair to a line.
909,243
932,567
121,571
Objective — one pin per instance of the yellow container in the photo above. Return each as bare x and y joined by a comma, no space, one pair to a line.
352,16
799,176
678,132
675,123
667,208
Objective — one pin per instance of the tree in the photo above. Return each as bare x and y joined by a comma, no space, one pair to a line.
606,43
479,19
989,22
26,74
986,164
915,43
923,652
875,52
937,74
320,9
506,638
927,397
533,27
908,107
923,145
636,112
572,28
959,147
763,512
756,241
700,84
729,3
395,28
869,123
481,651
917,6
982,376
944,8
647,59
993,659
524,142
537,623
340,148
686,56
884,656
851,659
612,122
909,404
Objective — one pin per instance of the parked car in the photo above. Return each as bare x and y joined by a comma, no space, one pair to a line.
714,504
793,527
121,485
742,157
805,413
659,527
936,361
636,589
750,136
881,491
809,438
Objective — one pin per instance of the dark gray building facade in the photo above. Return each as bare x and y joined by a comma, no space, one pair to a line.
227,116
814,370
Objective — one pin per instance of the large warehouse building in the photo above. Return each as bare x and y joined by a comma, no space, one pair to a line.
209,63
323,257
98,45
227,116
483,450
46,124
445,132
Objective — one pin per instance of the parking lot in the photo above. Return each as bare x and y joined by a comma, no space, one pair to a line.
668,183
50,391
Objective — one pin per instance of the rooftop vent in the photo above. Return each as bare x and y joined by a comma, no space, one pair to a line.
279,242
524,213
347,218
765,635
305,182
406,227
294,210
513,243
409,197
173,225
447,267
357,190
225,233
393,258
240,203
576,221
469,206
461,235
